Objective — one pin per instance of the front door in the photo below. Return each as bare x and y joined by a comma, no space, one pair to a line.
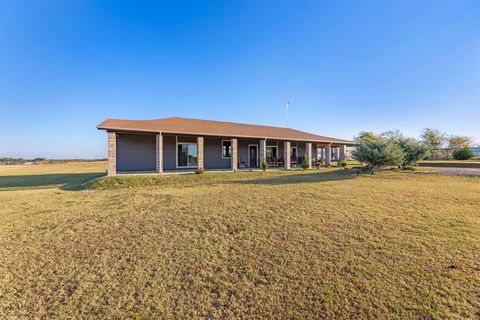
253,156
293,153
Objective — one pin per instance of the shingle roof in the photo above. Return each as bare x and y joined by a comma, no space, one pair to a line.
214,128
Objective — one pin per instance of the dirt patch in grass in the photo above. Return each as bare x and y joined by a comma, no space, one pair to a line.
315,244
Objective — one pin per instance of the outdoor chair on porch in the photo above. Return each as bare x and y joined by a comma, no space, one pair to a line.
293,162
297,162
281,163
271,161
274,162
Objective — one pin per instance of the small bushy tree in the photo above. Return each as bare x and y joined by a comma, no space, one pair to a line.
342,164
264,165
379,154
304,164
413,151
464,153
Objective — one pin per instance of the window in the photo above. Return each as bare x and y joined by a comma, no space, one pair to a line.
187,155
226,149
271,152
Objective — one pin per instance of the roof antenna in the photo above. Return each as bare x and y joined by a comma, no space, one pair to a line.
287,105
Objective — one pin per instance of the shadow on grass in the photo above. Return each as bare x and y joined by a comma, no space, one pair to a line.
313,177
63,181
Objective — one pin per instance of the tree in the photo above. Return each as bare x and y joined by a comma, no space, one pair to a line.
304,164
264,165
433,139
464,153
379,153
392,135
413,151
457,142
367,136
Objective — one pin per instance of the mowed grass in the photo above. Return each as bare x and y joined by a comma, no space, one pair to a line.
297,245
68,176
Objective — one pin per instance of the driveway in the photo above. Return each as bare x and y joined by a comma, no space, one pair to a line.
457,171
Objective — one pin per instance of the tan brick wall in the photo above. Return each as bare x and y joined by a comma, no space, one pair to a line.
308,153
342,151
286,154
328,154
234,154
112,153
159,153
200,163
263,151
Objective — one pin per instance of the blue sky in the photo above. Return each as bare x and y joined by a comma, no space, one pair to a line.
346,66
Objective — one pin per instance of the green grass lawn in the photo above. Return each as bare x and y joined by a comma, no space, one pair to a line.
300,245
68,176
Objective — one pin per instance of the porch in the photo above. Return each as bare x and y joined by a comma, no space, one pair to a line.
147,153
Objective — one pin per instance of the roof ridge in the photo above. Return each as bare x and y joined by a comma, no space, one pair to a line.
214,127
231,122
249,124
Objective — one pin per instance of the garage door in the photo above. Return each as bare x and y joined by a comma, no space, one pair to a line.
136,152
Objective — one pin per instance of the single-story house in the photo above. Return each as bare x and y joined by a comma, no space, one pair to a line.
180,144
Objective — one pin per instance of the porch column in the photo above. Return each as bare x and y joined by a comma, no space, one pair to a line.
159,153
286,154
200,163
234,144
263,151
314,153
342,153
112,154
328,154
308,154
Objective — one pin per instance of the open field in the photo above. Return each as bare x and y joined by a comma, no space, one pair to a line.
314,244
68,176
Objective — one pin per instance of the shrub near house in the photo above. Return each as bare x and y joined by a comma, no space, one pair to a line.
378,154
390,148
413,151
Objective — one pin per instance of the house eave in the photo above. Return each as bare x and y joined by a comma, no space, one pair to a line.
350,143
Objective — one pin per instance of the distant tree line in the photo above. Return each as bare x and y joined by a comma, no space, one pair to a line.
442,145
16,161
392,148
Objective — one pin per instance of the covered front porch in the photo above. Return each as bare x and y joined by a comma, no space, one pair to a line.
149,152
